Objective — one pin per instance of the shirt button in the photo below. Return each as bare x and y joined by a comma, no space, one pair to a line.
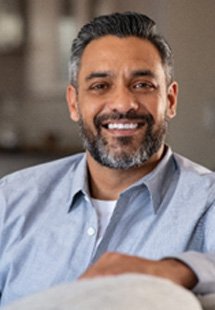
87,198
91,231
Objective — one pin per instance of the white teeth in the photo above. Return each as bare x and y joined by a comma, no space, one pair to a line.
122,126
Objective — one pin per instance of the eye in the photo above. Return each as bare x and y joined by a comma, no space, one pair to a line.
101,86
144,86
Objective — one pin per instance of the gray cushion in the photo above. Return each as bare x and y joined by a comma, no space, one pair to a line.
131,291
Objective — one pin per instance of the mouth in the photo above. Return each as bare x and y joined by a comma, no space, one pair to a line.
122,127
125,125
122,124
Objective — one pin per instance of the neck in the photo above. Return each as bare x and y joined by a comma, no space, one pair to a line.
107,183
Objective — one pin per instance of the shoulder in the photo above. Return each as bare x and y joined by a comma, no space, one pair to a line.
187,166
49,170
195,178
36,192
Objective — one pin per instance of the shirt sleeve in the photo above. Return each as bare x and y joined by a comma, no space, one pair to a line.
203,262
203,265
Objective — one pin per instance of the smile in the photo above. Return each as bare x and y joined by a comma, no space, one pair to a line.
121,126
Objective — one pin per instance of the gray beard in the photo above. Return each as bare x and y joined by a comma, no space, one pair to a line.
101,151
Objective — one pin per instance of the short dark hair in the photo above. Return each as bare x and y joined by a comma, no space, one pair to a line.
120,25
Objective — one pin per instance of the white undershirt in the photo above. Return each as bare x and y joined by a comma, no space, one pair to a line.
104,210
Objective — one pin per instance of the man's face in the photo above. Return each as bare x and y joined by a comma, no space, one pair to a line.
122,103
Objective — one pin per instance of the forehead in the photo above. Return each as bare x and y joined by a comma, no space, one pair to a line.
120,54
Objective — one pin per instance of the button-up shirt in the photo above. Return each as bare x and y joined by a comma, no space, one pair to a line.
48,225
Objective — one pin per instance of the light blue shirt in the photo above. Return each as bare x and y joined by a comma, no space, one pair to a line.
48,224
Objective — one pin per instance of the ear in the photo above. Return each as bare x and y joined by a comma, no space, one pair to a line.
72,101
172,96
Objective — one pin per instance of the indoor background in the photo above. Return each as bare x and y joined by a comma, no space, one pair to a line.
35,39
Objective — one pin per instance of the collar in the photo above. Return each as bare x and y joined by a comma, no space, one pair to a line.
79,182
157,182
160,179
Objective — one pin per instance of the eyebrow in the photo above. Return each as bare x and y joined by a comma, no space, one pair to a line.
99,74
135,73
147,73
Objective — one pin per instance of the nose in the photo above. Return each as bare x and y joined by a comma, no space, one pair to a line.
122,100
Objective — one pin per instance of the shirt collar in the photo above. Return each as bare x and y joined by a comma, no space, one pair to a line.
79,181
160,179
157,181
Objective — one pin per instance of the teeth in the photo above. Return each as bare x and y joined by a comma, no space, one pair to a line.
122,126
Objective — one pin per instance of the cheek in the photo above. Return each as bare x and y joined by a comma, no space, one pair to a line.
87,116
89,107
156,106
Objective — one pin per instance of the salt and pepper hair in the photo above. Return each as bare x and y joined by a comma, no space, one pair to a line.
121,25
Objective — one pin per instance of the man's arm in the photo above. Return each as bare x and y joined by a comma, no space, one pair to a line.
116,263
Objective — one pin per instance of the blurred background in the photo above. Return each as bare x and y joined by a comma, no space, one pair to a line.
35,40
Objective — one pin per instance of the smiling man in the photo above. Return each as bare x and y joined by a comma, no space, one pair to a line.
125,102
128,204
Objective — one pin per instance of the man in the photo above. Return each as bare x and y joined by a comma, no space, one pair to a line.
128,205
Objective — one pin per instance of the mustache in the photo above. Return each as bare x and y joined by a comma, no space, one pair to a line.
130,115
